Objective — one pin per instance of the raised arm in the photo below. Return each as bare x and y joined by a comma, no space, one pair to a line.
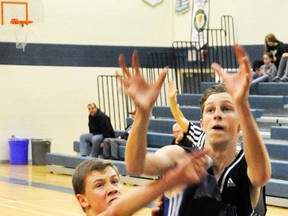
189,171
175,110
259,168
143,95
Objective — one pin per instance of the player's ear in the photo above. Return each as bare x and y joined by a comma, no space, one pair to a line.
82,200
202,124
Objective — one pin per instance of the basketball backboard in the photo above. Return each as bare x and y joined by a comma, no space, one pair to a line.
21,14
27,12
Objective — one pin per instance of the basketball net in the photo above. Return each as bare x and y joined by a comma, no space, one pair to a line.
21,34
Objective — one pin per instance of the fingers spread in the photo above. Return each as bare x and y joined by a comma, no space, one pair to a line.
218,69
171,83
239,52
123,66
119,77
246,65
135,61
242,58
161,77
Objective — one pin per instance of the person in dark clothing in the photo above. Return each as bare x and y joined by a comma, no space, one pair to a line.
110,145
99,128
282,72
278,49
280,53
225,111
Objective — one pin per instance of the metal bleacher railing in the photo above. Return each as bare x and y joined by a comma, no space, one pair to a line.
189,65
193,59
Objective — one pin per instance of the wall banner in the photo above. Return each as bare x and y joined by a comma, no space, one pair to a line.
200,17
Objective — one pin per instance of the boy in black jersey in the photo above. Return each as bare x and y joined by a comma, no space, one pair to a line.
225,111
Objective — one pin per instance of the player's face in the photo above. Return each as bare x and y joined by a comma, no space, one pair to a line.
102,188
220,121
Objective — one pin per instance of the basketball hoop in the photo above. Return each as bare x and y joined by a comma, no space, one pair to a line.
20,15
21,32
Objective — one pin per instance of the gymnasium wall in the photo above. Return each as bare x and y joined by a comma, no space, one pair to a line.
45,90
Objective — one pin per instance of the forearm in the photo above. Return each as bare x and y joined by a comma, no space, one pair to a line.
136,146
259,168
142,196
178,115
190,171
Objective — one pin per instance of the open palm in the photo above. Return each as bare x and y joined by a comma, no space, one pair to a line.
136,87
237,84
172,91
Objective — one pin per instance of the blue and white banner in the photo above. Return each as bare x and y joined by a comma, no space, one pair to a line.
200,17
182,6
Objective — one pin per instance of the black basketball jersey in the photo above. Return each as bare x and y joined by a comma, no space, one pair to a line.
234,185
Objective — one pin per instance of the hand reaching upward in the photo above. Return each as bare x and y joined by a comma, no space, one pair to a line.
237,84
137,88
172,91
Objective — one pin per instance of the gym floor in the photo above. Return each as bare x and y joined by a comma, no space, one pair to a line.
28,190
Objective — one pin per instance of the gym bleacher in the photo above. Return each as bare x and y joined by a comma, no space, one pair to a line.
270,113
268,103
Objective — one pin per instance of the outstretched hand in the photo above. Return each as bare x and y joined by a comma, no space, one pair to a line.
192,169
237,84
136,87
172,91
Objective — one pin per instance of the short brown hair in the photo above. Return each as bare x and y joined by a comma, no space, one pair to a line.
214,89
86,167
92,104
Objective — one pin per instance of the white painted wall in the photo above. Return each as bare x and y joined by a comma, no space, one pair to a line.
50,102
254,19
133,22
46,102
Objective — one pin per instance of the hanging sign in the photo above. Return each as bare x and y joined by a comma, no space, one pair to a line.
200,21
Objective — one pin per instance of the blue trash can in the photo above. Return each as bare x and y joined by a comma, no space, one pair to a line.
18,151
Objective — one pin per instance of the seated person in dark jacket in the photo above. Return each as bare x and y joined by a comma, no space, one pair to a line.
110,145
99,128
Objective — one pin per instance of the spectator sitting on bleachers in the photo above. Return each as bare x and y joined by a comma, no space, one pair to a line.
280,53
282,73
99,128
110,145
276,47
266,72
